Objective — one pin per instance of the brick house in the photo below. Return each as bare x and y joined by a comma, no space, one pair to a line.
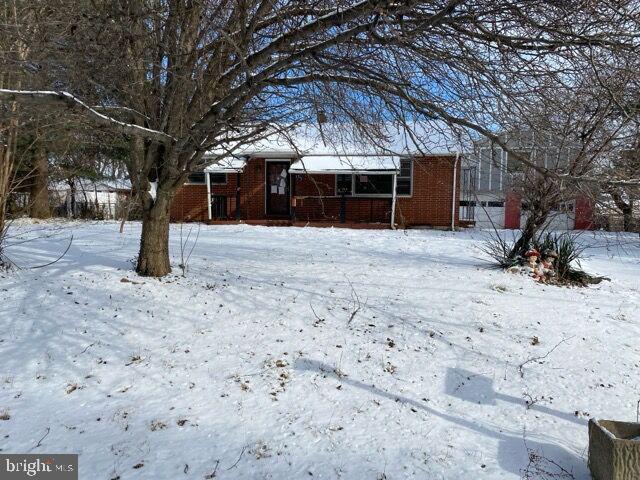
277,184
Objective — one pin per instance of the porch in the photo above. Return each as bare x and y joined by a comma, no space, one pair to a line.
321,189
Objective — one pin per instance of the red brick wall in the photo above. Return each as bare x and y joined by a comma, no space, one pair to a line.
252,187
190,204
229,189
430,203
372,210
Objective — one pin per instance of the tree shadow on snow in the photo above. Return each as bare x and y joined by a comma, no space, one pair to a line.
514,455
477,388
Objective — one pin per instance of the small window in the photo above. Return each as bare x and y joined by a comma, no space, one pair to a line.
467,203
374,184
343,184
495,204
218,178
196,178
403,180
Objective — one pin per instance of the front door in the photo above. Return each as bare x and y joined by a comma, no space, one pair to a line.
278,188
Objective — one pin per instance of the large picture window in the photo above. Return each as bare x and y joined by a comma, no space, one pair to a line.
374,184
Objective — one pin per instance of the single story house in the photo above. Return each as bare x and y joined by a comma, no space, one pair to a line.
298,181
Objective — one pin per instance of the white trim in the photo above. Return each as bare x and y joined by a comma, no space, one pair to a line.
227,165
453,195
393,203
343,172
208,182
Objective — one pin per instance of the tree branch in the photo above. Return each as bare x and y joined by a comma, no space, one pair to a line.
41,97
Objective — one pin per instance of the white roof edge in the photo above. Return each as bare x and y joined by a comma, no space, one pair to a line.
227,165
292,154
339,172
347,164
224,170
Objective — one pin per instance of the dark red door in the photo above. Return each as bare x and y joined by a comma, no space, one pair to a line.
278,188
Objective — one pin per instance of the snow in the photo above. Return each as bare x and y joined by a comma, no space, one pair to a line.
345,163
310,353
421,138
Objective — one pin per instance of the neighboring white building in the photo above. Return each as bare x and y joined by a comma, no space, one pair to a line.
485,185
104,196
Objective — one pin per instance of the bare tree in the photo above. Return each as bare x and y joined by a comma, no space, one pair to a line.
189,77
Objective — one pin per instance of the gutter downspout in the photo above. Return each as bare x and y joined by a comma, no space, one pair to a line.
453,195
208,194
393,202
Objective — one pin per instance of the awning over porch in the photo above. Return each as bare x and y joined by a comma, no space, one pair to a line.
337,164
227,165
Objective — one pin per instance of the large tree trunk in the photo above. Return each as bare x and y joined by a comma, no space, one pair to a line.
153,258
39,197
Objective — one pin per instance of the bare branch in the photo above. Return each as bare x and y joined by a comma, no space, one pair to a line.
42,97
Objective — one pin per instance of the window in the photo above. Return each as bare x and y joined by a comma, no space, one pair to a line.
403,180
374,184
196,178
218,178
495,204
344,185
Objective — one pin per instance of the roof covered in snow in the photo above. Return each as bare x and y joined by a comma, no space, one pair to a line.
227,165
346,164
418,139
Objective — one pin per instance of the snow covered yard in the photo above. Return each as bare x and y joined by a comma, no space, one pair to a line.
311,353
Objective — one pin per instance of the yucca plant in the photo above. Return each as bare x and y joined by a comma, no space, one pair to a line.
567,247
569,251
